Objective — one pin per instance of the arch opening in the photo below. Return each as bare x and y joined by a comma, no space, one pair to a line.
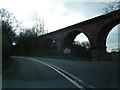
78,43
102,40
103,34
83,40
113,44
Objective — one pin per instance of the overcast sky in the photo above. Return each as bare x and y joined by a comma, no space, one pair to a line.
58,14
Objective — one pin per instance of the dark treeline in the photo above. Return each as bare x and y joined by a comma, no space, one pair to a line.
114,55
8,33
6,41
26,42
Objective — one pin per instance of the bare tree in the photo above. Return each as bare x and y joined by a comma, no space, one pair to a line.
9,25
39,27
9,19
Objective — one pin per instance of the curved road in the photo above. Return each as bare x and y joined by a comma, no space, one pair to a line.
34,72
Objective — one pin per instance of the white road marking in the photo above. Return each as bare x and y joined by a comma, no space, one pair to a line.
72,76
58,70
69,79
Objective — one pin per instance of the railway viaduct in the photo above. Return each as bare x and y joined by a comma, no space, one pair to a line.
96,30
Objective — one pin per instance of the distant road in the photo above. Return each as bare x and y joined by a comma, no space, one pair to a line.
33,72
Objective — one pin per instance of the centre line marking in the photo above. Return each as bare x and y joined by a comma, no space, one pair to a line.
65,76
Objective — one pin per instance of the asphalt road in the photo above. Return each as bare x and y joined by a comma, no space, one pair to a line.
33,72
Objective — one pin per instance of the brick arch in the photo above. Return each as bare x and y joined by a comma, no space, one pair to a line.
69,38
99,50
102,35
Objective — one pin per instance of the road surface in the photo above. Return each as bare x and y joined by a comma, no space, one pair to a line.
34,72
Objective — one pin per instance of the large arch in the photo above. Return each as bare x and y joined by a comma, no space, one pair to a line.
76,50
81,37
68,40
112,39
100,48
102,36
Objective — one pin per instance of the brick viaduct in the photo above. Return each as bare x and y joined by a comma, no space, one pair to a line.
96,30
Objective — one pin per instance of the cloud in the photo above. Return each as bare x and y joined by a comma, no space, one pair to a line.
55,12
88,9
23,9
